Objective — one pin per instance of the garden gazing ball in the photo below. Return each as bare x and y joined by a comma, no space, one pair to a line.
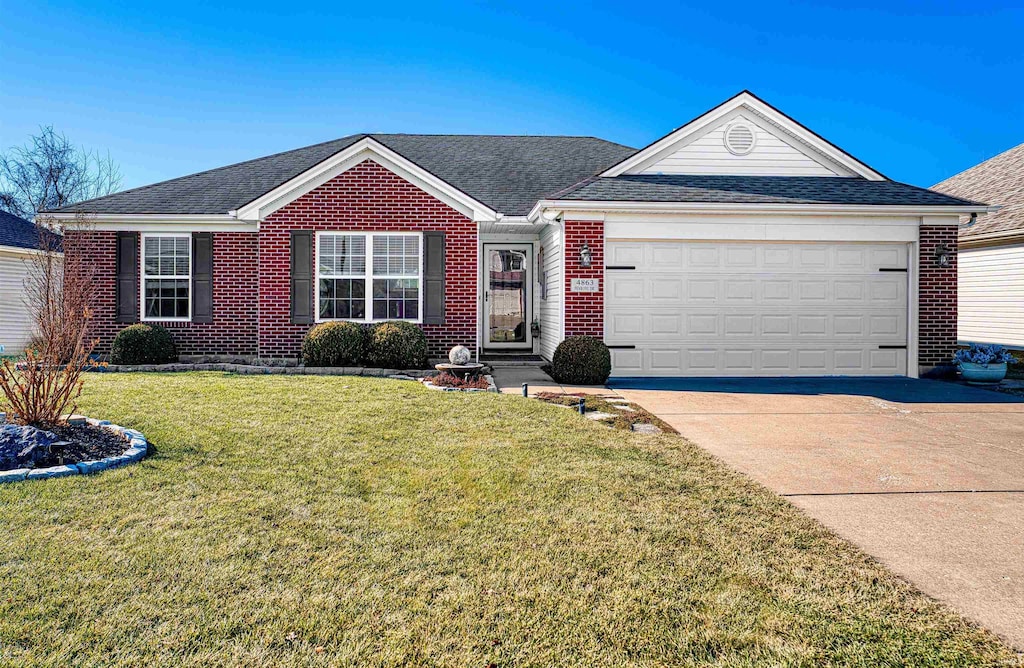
459,355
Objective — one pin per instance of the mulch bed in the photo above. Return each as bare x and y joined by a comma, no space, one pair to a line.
88,443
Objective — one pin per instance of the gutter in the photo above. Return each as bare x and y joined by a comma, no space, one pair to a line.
561,206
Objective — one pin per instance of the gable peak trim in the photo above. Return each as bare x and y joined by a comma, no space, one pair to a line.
763,112
366,148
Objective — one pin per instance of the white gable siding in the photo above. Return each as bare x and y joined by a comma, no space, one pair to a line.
15,317
990,295
707,154
551,308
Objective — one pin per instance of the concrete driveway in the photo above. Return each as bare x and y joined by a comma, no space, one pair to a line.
926,476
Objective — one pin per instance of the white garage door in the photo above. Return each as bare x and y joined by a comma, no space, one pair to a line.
687,308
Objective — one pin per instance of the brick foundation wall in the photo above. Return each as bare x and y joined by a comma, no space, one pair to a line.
233,330
937,298
584,311
367,198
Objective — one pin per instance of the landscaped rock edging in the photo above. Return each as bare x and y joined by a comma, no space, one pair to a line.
138,446
267,369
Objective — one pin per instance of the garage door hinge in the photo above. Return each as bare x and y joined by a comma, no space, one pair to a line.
892,269
892,347
621,266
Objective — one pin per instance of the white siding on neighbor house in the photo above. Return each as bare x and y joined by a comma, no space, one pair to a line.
15,317
551,308
990,295
771,156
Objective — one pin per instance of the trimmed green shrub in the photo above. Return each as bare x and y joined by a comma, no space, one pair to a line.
581,360
143,344
397,345
335,344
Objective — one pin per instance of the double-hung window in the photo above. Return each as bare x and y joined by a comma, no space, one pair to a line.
369,276
166,276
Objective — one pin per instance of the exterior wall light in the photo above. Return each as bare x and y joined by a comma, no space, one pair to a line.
586,256
942,255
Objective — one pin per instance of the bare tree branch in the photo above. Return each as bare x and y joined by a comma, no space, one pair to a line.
50,172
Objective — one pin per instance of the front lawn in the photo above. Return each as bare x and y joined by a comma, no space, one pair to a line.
306,521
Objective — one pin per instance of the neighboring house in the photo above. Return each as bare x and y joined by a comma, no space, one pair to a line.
740,244
991,279
19,242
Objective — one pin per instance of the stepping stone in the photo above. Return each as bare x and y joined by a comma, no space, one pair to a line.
643,428
625,408
595,415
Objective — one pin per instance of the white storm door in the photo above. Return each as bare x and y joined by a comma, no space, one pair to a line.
508,279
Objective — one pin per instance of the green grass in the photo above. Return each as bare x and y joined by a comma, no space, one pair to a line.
307,521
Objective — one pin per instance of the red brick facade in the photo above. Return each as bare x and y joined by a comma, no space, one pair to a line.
584,311
937,298
233,330
367,198
251,315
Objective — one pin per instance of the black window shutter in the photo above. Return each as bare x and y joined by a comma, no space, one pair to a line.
127,265
433,278
302,277
202,277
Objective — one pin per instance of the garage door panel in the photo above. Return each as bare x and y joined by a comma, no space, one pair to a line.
757,309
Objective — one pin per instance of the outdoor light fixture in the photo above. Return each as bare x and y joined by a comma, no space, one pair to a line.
585,255
942,255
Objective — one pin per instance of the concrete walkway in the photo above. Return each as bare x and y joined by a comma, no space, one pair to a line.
926,476
510,380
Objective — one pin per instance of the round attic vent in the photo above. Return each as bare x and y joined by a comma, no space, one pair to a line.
740,138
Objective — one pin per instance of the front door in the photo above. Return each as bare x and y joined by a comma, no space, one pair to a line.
507,296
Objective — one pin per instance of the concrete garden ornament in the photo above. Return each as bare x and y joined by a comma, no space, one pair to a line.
983,364
459,355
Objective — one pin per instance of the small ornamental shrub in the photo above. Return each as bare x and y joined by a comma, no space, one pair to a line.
143,344
985,355
334,344
581,360
397,345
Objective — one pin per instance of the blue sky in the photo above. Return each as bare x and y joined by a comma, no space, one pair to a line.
917,90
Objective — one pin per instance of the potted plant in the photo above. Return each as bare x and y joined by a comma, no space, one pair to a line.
983,363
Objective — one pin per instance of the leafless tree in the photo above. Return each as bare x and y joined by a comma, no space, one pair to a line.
59,288
50,172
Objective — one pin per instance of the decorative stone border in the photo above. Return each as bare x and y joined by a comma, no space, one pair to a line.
491,387
138,446
267,369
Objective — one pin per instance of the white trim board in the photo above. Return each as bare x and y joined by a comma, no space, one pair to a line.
364,149
765,113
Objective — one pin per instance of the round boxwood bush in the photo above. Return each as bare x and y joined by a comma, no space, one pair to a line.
581,360
397,345
334,344
143,344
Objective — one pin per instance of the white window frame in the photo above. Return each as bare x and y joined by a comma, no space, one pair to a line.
143,276
369,276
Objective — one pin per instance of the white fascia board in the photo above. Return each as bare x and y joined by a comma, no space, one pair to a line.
599,207
150,222
757,106
18,251
365,149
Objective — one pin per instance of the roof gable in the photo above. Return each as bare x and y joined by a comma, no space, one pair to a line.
366,148
771,144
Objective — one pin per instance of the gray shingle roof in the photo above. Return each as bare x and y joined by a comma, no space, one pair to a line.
754,190
507,173
998,181
20,233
